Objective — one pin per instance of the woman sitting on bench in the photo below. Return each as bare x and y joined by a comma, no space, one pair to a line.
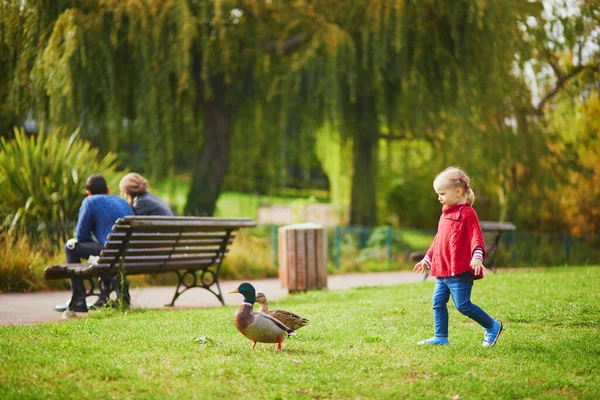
135,189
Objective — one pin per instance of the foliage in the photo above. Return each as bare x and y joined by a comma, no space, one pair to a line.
336,160
580,199
414,203
360,342
42,179
251,256
22,263
475,84
565,61
417,240
233,204
382,242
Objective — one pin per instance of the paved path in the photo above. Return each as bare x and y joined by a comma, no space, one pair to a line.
32,308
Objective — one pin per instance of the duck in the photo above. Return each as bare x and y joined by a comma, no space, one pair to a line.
287,318
256,326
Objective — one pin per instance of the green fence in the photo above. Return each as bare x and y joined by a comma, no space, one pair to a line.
357,245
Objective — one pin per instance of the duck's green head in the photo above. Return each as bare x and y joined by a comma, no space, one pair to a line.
247,290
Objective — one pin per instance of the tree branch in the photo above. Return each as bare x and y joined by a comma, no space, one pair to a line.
282,47
273,45
560,83
554,66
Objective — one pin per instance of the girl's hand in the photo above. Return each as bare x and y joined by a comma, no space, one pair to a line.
420,267
477,266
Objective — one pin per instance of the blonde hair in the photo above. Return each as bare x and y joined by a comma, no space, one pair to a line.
455,177
132,185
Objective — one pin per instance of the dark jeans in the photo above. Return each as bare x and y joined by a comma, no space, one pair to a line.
460,289
83,250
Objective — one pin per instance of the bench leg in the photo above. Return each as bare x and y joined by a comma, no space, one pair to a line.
208,278
79,292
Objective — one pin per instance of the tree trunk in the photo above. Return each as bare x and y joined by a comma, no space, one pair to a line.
210,171
363,205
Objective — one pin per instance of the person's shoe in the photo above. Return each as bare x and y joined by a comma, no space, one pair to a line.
435,340
79,307
491,335
68,314
61,308
64,307
100,303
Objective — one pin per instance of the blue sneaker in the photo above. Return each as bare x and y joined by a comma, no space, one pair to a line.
435,340
491,335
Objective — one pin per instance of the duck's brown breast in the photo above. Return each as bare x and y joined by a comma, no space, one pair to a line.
243,317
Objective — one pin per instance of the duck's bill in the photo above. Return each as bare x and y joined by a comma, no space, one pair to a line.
233,291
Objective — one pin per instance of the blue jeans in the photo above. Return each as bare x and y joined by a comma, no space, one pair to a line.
460,289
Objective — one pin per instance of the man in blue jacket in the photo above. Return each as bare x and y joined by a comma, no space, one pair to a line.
97,215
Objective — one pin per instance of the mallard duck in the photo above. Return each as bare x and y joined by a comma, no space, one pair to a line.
256,326
289,319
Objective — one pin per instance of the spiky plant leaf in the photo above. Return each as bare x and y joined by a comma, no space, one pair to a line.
43,178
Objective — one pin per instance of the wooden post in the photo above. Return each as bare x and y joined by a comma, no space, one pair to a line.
302,257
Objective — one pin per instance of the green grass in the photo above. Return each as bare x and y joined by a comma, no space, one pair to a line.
360,344
233,204
417,240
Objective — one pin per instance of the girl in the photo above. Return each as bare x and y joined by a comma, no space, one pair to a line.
456,257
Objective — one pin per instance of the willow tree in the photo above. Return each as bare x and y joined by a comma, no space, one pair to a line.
161,74
172,75
10,38
24,30
406,66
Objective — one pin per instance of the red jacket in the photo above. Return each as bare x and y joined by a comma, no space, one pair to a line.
457,237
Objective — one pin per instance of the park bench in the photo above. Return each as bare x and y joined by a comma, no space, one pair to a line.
187,246
492,234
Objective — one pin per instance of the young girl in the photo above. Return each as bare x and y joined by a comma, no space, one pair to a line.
456,257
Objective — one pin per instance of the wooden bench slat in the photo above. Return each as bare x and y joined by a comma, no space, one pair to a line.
160,251
157,255
246,222
497,226
169,228
148,244
158,258
199,223
190,222
119,236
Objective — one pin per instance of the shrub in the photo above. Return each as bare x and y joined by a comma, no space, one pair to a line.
22,265
42,179
383,239
251,257
414,203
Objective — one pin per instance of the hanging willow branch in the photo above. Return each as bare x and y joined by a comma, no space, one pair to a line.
285,46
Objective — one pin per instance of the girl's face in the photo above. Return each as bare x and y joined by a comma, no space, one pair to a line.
449,196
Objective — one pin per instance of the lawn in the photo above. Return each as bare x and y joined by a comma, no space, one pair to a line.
360,344
232,204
